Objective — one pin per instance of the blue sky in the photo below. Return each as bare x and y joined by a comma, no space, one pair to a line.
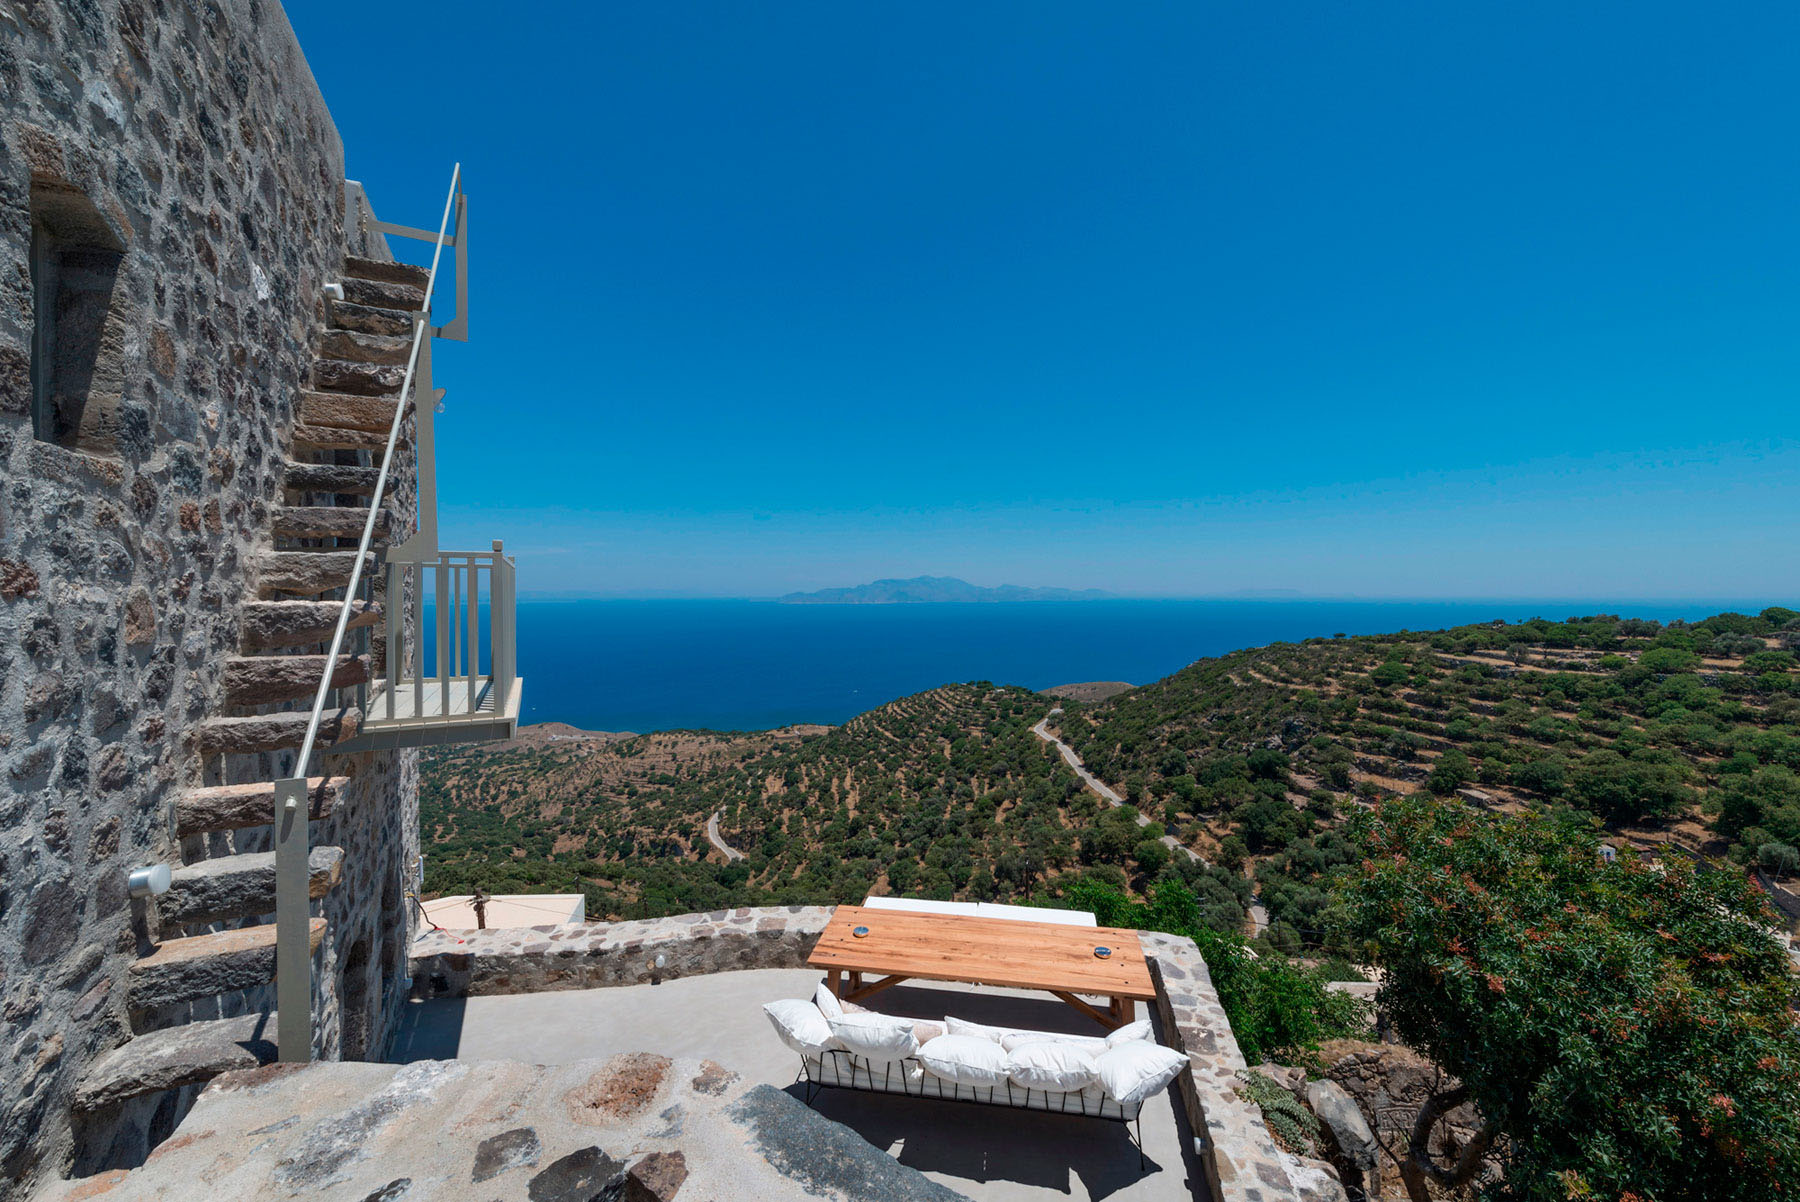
1384,300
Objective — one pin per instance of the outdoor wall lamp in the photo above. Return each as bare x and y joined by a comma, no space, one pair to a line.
148,882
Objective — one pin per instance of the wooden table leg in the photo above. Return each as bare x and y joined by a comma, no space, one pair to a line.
836,982
1105,1018
1124,1010
862,991
855,981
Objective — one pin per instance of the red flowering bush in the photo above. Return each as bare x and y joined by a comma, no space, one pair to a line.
1624,1029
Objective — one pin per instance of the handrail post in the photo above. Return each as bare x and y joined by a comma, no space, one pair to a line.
293,919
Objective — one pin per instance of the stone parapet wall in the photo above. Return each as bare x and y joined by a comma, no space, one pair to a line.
594,955
1242,1160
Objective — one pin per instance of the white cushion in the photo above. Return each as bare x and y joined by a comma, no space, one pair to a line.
878,1038
1129,1032
801,1026
827,1002
966,1060
1056,1066
962,1026
1136,1069
1021,1039
924,1030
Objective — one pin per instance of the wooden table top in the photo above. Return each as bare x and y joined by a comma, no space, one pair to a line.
986,951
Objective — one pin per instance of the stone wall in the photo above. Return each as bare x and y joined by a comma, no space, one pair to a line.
1244,1164
192,136
595,954
1389,1082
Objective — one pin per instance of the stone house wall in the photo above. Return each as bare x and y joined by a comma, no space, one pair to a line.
190,133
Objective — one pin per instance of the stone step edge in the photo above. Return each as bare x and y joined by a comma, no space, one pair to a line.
177,1056
238,807
241,886
210,965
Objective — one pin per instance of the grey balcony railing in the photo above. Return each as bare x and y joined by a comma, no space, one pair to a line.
461,670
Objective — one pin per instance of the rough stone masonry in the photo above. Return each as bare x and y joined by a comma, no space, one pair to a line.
181,153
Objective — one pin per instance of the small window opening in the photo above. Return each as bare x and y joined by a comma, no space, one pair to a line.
77,371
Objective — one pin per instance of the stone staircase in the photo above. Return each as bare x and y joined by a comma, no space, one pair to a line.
284,633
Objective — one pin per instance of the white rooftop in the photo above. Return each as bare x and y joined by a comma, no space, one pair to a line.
508,910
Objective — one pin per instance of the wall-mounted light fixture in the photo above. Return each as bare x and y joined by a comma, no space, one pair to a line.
149,881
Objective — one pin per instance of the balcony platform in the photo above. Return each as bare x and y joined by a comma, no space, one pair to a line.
437,713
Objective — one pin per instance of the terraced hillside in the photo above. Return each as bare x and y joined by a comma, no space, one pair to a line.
1681,734
1685,733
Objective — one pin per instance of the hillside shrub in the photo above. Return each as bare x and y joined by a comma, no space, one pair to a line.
1627,1030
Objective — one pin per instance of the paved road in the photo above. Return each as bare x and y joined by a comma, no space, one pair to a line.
1042,731
712,836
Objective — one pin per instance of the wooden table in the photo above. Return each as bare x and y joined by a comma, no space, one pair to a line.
1005,952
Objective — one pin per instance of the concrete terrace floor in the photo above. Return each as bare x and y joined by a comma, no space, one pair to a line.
980,1151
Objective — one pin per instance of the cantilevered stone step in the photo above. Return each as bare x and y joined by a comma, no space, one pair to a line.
383,294
363,379
349,345
183,970
308,572
272,732
262,679
265,624
324,521
332,478
369,319
341,411
235,807
240,886
185,1055
386,272
336,438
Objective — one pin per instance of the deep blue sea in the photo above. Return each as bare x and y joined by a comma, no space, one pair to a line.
746,665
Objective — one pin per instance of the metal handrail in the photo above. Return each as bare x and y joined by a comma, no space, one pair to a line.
293,945
421,330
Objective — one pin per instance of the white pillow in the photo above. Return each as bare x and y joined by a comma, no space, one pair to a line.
924,1030
878,1038
801,1026
1136,1069
1012,1042
966,1060
962,1026
827,1002
1057,1066
1129,1032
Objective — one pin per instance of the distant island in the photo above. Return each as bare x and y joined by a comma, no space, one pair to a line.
935,589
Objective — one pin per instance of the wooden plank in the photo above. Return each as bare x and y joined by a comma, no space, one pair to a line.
985,951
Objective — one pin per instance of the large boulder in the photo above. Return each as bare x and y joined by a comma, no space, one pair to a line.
1338,1114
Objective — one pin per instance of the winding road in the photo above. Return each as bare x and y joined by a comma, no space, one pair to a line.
1042,731
1259,916
712,837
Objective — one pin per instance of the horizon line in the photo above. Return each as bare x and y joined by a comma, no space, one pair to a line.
555,595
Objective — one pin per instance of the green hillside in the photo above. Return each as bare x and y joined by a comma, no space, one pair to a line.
1685,734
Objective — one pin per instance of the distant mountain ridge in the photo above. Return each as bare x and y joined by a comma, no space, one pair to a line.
935,589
